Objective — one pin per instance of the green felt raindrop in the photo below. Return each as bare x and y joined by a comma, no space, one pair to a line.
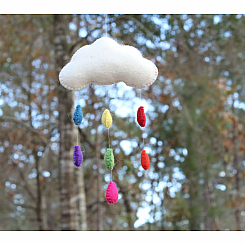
109,159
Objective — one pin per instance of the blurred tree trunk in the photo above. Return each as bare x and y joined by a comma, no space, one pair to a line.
38,184
39,195
50,209
211,223
126,203
98,225
99,181
208,224
66,130
236,166
191,174
81,198
72,193
79,175
213,204
50,213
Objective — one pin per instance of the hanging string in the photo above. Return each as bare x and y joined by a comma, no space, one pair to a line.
106,25
77,134
111,175
107,102
106,97
142,129
109,137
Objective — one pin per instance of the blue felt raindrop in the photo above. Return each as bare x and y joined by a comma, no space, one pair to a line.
78,115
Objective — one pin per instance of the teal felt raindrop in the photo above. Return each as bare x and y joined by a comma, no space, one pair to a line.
109,159
78,115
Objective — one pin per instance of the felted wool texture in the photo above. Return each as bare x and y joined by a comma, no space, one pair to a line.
111,193
77,156
106,118
78,115
109,159
141,119
145,161
106,62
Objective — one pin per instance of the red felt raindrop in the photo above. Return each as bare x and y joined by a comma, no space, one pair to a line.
145,161
141,119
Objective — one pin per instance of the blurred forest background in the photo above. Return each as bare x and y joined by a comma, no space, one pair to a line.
194,134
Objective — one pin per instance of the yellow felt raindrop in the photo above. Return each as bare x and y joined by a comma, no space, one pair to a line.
106,118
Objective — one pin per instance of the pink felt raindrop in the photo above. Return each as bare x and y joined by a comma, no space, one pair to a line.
111,193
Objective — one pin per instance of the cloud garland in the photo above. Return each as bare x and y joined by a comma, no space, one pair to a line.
106,62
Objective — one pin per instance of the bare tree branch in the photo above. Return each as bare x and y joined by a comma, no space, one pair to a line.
26,206
92,146
130,17
33,130
26,186
45,140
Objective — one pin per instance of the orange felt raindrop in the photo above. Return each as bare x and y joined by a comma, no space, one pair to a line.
145,161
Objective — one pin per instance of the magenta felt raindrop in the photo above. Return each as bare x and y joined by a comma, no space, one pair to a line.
111,193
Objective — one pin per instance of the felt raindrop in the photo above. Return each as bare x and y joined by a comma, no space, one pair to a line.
111,193
78,115
109,159
77,156
141,119
145,161
106,118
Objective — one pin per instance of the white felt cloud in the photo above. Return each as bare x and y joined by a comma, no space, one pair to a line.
106,62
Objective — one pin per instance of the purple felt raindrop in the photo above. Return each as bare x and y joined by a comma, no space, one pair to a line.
78,156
